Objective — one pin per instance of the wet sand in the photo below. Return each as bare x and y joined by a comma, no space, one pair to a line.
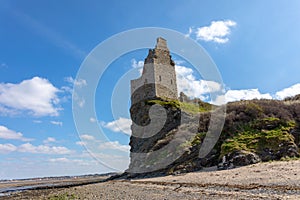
275,180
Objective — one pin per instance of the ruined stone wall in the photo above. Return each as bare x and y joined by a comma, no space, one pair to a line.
143,87
146,91
159,69
165,79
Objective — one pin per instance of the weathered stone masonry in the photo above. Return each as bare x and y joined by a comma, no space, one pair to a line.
158,78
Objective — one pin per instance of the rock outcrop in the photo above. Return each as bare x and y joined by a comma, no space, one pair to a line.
254,131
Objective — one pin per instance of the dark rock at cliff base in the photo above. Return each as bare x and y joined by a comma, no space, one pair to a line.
238,158
242,158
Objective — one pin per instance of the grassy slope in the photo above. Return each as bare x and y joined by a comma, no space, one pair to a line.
253,138
250,126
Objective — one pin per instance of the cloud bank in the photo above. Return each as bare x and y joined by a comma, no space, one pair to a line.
8,134
114,145
192,87
36,96
120,125
29,148
288,92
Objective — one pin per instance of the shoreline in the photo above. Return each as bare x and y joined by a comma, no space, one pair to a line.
7,188
272,180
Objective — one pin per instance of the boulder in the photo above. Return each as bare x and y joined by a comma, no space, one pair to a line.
238,158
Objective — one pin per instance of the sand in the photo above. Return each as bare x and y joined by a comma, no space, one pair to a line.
274,180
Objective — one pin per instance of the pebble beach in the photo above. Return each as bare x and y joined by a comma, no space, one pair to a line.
273,180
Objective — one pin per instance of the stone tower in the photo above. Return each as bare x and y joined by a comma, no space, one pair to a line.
152,123
158,78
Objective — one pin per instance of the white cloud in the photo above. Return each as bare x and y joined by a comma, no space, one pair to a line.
8,111
58,123
7,148
179,62
80,143
37,96
218,31
80,82
288,92
189,33
43,149
220,100
236,95
37,121
49,140
79,100
187,83
87,137
71,161
119,125
93,120
29,148
248,94
114,145
66,89
8,134
59,160
137,64
67,160
183,71
76,82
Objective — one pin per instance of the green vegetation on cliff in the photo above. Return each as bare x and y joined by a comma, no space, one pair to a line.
189,107
171,103
254,138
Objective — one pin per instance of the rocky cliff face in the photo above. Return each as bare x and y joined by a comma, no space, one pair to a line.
254,131
154,125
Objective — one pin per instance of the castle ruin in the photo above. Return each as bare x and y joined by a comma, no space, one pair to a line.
158,83
158,77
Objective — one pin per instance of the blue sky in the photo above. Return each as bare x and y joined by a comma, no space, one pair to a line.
254,44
